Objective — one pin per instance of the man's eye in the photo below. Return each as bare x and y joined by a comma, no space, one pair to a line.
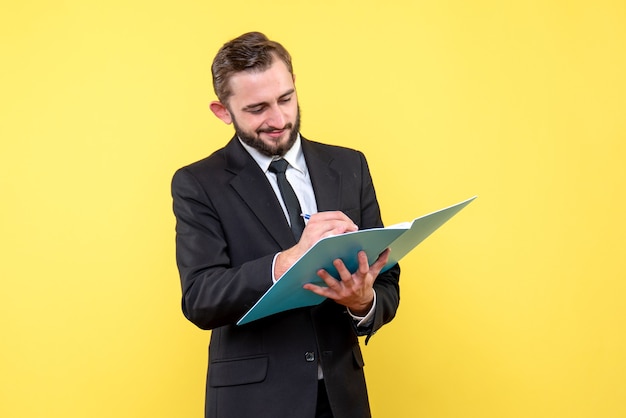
285,100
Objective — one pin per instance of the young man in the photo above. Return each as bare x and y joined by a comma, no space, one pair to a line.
237,231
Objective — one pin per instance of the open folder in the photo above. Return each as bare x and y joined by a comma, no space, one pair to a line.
287,293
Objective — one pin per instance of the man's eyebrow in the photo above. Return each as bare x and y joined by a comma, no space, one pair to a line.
282,96
289,93
252,106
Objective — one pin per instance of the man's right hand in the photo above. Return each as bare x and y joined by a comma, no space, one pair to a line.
320,225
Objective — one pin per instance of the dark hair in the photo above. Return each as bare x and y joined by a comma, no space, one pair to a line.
252,51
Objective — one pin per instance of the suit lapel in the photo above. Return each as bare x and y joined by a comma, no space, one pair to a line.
254,189
325,179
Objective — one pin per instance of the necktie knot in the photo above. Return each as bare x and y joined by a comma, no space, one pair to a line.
278,166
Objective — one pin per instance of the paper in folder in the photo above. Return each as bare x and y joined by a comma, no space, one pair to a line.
287,293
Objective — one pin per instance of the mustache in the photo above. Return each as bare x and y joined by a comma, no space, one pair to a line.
272,129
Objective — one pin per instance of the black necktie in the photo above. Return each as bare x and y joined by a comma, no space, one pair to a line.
290,199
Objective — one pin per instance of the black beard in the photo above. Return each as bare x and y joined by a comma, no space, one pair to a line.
270,150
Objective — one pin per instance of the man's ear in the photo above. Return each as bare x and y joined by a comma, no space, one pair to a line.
221,112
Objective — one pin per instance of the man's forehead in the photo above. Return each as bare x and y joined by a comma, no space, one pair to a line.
267,84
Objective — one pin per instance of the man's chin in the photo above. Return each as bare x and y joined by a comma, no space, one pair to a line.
270,145
272,140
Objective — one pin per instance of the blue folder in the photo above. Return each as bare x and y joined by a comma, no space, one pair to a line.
287,293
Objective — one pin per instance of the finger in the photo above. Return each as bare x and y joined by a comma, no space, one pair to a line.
317,230
330,281
334,220
330,290
339,227
364,266
342,270
330,216
327,229
380,262
318,290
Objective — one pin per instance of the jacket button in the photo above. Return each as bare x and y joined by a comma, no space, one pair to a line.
309,356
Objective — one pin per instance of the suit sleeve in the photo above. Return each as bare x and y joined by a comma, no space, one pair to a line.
214,293
387,284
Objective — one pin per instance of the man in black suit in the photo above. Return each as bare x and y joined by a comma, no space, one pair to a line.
235,236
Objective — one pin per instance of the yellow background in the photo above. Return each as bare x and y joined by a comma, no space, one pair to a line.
516,308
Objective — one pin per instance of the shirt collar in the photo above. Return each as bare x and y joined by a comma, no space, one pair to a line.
295,156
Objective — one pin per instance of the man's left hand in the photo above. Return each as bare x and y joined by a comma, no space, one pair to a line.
354,291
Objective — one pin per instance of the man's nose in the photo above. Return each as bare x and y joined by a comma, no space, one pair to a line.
276,118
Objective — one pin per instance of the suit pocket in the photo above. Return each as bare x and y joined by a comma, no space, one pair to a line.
239,371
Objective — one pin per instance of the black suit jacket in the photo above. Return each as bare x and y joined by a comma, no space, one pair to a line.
229,227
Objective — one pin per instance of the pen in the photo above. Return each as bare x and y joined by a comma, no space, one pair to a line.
306,216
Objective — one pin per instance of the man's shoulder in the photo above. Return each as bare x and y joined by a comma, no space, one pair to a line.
217,160
330,149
